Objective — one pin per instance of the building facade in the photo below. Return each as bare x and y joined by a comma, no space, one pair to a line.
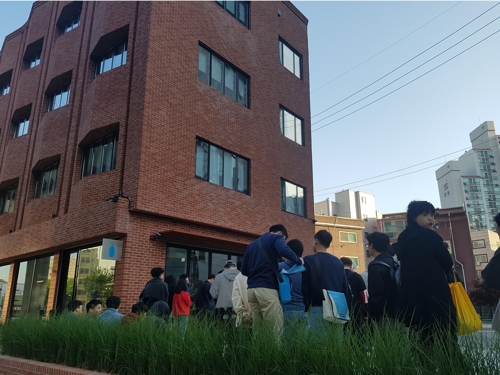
181,129
452,225
347,238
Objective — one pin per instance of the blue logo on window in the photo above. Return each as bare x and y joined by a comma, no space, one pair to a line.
112,251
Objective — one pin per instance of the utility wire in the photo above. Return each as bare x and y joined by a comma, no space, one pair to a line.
406,84
402,169
386,179
350,70
413,58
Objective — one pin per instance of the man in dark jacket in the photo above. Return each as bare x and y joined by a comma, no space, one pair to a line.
260,261
491,274
323,271
203,299
382,288
171,282
358,311
156,289
424,264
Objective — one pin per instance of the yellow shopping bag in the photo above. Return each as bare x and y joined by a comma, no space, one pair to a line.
468,320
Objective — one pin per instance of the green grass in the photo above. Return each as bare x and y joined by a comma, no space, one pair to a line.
138,349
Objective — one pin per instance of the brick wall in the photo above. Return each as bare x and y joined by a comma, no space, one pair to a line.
20,366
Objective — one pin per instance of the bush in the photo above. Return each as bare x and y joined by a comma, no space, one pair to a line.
209,348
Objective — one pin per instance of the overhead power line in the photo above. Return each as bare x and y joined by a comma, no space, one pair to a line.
406,84
413,58
392,45
404,75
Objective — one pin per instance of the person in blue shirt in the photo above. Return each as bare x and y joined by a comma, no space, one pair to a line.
295,318
111,314
259,265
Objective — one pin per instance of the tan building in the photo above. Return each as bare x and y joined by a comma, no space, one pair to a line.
484,245
347,236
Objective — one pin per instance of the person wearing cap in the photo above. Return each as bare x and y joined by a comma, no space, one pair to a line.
222,290
203,300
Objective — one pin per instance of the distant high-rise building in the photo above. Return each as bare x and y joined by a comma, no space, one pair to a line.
472,180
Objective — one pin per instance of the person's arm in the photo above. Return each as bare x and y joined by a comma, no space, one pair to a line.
491,274
236,298
441,252
360,287
187,299
376,291
214,289
244,264
283,250
306,287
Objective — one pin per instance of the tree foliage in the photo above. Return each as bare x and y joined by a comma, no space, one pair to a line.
99,283
482,295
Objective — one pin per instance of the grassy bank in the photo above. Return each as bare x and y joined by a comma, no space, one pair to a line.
210,349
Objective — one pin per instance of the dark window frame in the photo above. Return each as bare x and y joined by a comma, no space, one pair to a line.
238,74
111,54
282,125
89,151
66,88
284,196
25,126
5,80
237,9
282,43
206,177
40,178
8,194
72,22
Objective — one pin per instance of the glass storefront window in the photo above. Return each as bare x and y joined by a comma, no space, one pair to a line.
4,284
176,262
32,287
198,266
218,262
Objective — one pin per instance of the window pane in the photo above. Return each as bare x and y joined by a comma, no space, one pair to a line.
298,131
4,285
117,58
107,155
216,156
176,262
289,125
242,175
97,159
107,64
282,121
291,197
300,201
217,70
243,12
203,65
231,7
45,183
218,262
287,58
242,89
198,266
65,97
230,82
229,170
280,48
297,69
201,159
52,182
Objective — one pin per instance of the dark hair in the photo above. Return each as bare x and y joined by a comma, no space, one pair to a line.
113,302
183,277
416,208
324,237
160,309
157,271
211,276
347,261
296,247
279,228
73,305
139,308
182,285
92,304
380,241
497,219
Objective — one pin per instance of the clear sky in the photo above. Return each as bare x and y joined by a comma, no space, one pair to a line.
425,120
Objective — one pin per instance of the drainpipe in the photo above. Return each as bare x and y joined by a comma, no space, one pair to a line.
455,252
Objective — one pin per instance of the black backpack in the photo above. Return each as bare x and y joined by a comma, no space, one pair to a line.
395,272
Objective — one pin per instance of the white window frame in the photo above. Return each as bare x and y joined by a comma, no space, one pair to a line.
478,244
349,234
481,258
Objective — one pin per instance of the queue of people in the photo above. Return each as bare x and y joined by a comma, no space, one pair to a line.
405,282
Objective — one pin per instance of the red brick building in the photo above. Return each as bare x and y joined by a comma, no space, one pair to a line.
453,227
120,120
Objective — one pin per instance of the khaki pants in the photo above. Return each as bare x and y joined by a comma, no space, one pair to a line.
265,305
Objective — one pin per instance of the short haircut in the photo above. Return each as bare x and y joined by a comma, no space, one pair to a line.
139,308
182,285
211,276
347,261
73,305
92,304
380,241
183,276
324,238
497,219
296,247
279,228
157,271
416,208
113,302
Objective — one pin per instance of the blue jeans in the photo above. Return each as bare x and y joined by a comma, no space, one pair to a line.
296,321
183,324
320,328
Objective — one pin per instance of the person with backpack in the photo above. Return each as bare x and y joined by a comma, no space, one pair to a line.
382,284
359,291
425,262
